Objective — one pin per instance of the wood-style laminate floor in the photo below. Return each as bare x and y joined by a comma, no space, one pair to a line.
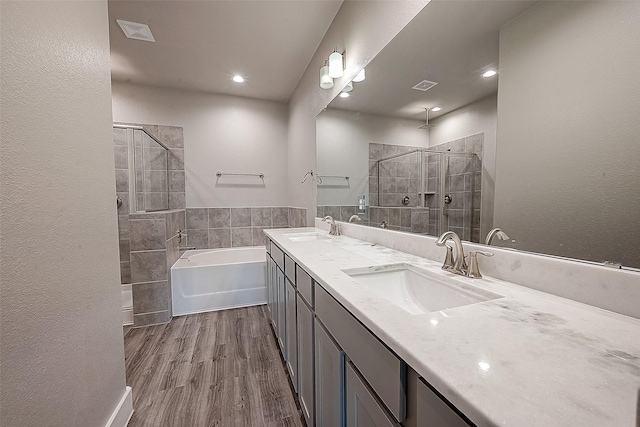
212,369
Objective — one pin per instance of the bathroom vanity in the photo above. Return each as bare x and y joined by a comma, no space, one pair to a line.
364,347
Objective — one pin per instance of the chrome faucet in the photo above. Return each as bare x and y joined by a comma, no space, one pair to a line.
496,232
334,230
459,264
474,270
355,218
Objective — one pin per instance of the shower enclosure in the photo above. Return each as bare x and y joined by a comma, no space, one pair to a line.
440,188
147,170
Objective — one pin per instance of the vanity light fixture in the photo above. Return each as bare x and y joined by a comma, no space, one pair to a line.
489,73
436,109
326,81
344,94
348,87
359,77
336,64
238,78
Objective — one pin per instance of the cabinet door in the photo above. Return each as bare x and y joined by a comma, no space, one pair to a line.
329,365
305,361
268,283
281,303
363,410
292,333
273,294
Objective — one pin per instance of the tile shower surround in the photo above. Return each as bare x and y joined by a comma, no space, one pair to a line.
400,178
173,138
154,249
213,228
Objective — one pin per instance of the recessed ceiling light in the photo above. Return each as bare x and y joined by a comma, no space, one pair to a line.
238,79
344,94
136,31
490,73
436,109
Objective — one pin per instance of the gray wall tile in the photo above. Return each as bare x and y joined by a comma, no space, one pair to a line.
176,181
219,218
124,247
177,200
197,218
148,266
280,217
240,217
148,234
198,238
261,217
259,239
125,273
122,180
176,159
151,318
241,237
121,154
219,238
150,297
171,136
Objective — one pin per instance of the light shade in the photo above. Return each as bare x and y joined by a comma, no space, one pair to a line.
336,69
326,82
238,79
359,77
489,73
348,87
344,94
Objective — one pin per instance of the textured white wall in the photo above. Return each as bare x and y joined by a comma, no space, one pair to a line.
61,348
481,116
226,133
362,29
342,141
568,159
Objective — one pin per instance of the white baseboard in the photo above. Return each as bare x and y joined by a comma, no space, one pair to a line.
122,413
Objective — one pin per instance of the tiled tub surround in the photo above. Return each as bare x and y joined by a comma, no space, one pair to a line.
213,228
527,359
154,249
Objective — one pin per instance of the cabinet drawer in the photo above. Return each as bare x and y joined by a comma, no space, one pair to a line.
385,373
304,283
290,269
429,409
278,256
363,409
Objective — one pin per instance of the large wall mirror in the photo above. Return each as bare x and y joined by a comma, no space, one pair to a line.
547,149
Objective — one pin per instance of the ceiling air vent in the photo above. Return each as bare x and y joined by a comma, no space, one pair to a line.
424,85
136,31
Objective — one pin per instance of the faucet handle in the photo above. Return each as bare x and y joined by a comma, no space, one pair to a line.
474,270
448,260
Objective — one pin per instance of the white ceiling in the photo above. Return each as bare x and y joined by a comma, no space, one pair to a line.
200,45
448,42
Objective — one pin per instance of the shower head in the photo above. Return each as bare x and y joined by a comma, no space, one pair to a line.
426,124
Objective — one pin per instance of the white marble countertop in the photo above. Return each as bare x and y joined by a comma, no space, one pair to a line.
527,359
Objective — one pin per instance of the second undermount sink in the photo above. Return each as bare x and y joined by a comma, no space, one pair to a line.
419,291
305,236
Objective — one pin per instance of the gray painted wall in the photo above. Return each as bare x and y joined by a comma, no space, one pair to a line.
361,29
479,117
568,159
61,348
343,139
226,133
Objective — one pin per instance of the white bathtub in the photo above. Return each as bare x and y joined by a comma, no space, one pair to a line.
217,279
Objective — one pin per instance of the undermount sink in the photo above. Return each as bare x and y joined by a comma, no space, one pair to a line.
419,291
305,236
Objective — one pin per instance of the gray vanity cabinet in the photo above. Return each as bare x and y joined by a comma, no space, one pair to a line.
329,380
305,361
292,333
362,408
281,331
271,291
